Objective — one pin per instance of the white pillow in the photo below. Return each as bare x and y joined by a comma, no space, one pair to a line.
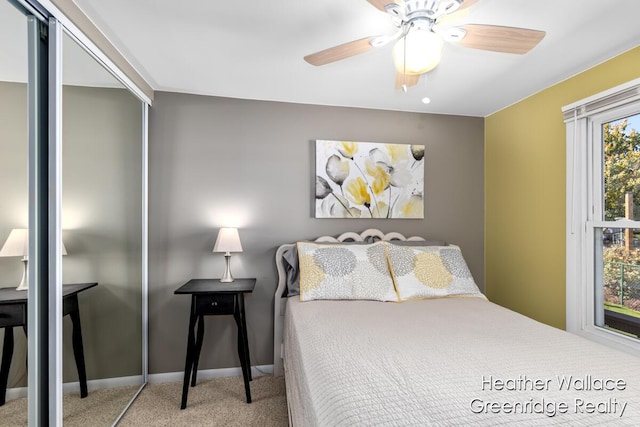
430,272
346,272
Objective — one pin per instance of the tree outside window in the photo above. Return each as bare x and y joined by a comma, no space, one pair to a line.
621,251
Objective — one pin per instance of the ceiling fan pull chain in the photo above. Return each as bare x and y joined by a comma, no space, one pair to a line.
404,65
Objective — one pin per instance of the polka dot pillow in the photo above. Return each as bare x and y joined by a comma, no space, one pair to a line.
347,272
430,272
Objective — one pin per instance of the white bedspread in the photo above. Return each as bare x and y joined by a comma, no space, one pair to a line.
440,363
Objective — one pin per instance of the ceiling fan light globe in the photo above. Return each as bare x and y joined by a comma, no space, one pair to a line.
423,52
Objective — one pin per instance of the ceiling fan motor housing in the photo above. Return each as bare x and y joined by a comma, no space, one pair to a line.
431,9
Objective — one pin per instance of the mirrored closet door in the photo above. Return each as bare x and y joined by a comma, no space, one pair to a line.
14,213
102,231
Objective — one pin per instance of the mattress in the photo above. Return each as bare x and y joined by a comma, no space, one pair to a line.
448,362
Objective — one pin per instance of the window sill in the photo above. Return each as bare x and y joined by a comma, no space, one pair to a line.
611,339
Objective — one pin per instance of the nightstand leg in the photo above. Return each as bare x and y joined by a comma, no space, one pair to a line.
241,353
244,332
78,352
7,355
198,349
243,362
190,350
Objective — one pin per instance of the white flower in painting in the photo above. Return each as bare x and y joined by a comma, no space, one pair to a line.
396,164
333,204
337,170
338,207
409,207
323,189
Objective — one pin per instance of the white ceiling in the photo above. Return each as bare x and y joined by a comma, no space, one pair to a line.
79,68
254,48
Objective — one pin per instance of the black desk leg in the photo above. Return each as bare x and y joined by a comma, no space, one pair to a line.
26,356
246,340
190,350
78,352
7,355
241,353
243,364
198,349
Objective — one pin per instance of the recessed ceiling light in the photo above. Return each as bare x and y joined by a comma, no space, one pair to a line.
426,100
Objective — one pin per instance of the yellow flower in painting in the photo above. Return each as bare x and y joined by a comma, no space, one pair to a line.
394,162
357,190
348,149
381,178
397,152
413,207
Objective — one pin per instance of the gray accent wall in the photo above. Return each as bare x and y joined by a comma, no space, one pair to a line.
218,162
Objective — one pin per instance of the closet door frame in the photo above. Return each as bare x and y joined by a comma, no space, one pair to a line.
46,22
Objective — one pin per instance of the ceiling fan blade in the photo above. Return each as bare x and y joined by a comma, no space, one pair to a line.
501,39
407,80
380,4
342,51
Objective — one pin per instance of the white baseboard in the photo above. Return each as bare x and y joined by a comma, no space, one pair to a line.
18,392
206,374
256,371
103,383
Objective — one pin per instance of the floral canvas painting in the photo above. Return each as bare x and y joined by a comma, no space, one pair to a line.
369,180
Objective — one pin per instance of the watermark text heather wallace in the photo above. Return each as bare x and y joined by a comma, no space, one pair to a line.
550,407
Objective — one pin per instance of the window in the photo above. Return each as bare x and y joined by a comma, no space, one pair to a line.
603,217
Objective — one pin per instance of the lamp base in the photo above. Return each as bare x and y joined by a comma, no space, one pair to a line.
24,283
227,277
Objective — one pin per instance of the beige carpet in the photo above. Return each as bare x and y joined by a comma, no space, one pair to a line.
216,402
99,408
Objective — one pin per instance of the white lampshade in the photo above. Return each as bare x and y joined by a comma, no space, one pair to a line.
228,240
423,52
17,244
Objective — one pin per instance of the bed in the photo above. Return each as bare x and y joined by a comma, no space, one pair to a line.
437,361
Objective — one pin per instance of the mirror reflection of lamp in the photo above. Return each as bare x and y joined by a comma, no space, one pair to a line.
227,241
17,244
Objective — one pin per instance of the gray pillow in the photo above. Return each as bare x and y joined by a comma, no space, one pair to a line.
290,257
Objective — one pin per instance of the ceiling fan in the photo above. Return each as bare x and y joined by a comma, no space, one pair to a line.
422,29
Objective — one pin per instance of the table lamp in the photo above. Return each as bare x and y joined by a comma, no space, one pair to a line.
17,244
228,241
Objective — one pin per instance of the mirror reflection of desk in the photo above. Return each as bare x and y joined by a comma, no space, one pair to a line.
13,313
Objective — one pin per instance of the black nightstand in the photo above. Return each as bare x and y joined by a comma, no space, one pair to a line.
213,297
13,313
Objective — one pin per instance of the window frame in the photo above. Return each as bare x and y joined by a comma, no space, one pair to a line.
584,214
